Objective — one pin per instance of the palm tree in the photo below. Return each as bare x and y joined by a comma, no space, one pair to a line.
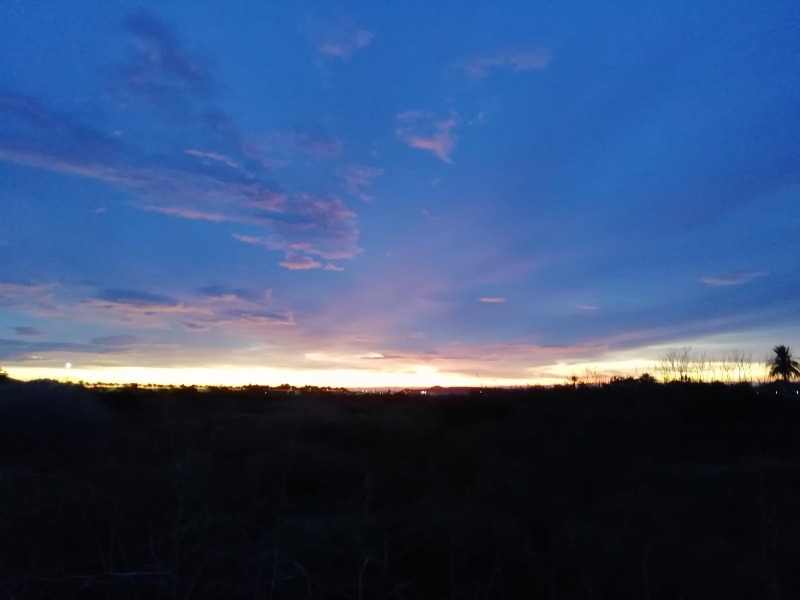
782,364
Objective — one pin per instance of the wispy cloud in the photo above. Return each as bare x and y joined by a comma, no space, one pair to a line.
519,60
212,156
359,178
8,288
589,307
322,227
22,350
423,131
317,142
218,178
250,317
27,331
333,267
342,39
137,302
299,263
25,350
735,278
116,341
492,300
225,293
28,297
160,66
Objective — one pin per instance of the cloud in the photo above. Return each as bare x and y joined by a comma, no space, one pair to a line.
136,302
137,298
246,317
424,132
27,296
342,39
161,67
116,341
589,307
20,350
735,278
27,331
188,213
8,288
299,263
316,142
333,267
218,178
23,350
534,59
224,293
212,156
491,300
358,178
322,227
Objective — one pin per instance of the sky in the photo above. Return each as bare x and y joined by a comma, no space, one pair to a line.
394,193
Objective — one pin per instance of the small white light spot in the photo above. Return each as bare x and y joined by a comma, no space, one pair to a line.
68,366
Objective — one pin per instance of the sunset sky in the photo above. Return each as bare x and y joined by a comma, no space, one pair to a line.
394,193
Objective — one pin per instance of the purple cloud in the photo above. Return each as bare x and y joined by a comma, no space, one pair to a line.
422,131
491,300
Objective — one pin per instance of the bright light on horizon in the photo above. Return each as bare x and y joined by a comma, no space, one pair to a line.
416,377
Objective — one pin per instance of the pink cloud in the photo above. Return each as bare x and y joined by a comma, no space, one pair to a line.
736,278
187,213
299,263
510,60
420,131
333,267
491,300
586,307
213,156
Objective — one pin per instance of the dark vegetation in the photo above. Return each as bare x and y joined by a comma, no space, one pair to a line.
629,490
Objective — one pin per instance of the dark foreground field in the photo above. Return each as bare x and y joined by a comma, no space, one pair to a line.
632,491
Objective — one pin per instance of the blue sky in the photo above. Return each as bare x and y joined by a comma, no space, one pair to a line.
355,193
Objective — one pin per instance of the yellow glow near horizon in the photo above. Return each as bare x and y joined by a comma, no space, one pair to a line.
401,376
414,377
